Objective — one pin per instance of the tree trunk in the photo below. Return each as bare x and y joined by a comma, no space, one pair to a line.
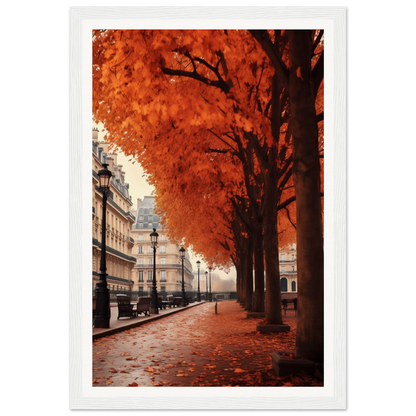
247,267
243,251
237,265
271,250
306,175
270,232
258,268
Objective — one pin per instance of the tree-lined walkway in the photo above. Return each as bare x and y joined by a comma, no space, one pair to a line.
249,106
195,348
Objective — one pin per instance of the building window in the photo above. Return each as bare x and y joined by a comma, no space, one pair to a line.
163,288
140,217
150,249
163,276
293,257
163,261
163,249
150,260
283,285
141,237
150,275
141,289
283,257
163,238
140,249
293,286
141,262
293,268
282,268
140,275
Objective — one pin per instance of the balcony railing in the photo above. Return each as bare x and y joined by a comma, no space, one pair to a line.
161,266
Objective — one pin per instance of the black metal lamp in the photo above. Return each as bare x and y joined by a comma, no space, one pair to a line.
210,285
105,177
154,303
102,294
182,254
206,286
198,265
153,237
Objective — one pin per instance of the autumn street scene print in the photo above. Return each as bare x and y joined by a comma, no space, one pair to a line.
214,276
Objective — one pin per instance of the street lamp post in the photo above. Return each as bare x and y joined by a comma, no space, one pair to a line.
198,298
206,286
102,294
182,253
210,285
154,304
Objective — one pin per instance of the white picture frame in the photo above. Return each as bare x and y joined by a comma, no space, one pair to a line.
331,396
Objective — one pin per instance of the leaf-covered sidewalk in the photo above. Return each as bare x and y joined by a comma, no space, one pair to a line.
196,347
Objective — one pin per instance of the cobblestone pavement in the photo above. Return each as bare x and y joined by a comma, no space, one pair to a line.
195,347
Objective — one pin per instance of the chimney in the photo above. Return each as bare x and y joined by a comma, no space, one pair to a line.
95,134
110,162
122,174
114,157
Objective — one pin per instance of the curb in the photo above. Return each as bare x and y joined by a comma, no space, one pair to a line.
112,331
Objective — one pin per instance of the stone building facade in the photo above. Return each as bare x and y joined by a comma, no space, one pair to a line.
168,260
119,243
288,271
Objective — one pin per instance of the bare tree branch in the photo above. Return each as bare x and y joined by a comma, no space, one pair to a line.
221,84
318,39
263,38
222,140
288,217
218,151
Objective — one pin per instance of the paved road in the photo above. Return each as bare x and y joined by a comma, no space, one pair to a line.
195,347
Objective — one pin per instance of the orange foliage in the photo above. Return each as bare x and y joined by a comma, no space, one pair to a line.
194,108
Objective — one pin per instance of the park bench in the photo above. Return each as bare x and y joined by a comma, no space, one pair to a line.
125,308
162,304
176,301
143,305
293,303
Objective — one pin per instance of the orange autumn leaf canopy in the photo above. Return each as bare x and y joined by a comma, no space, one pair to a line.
193,107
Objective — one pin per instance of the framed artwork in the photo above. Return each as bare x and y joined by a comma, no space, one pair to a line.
331,23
